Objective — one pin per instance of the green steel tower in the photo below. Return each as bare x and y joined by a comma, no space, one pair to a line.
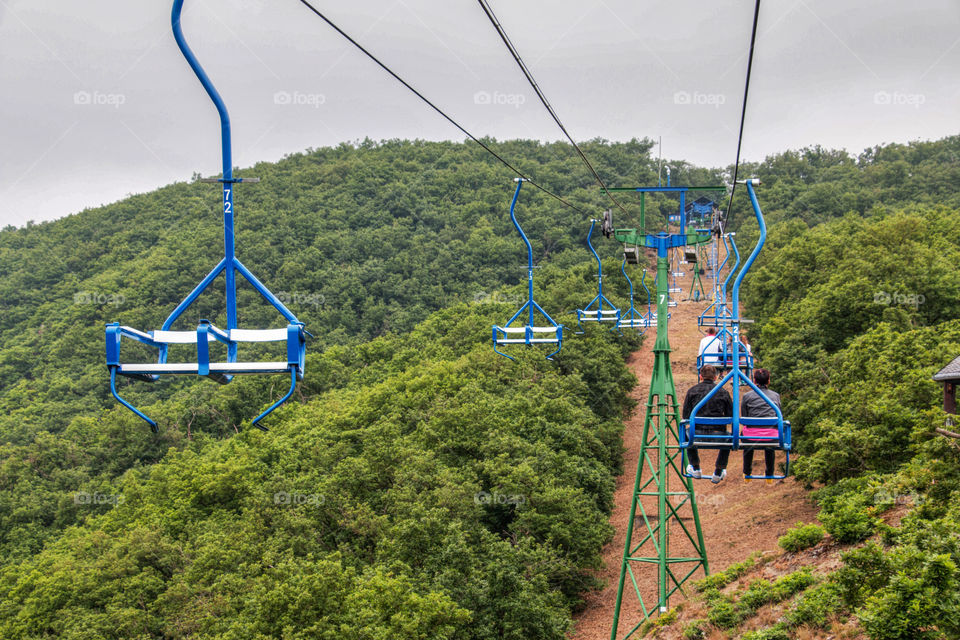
663,499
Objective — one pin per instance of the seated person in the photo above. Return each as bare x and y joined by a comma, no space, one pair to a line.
719,406
710,344
753,406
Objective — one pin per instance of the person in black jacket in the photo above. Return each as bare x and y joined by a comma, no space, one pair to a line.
719,406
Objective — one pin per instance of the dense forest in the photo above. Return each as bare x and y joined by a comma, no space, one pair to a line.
421,486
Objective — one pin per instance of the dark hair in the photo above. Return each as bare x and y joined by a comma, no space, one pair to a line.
761,377
708,373
712,331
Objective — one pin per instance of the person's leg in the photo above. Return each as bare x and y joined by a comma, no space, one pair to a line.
769,458
723,456
748,461
693,457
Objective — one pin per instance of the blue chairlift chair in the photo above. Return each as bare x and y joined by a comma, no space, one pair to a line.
528,334
207,335
595,311
733,440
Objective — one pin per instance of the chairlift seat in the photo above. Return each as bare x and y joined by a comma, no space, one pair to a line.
221,371
549,335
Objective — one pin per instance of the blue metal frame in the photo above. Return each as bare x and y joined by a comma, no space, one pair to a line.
230,266
734,378
650,316
633,319
599,315
721,316
676,262
500,333
724,359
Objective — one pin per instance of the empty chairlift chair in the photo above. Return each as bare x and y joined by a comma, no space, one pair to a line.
633,319
595,311
207,339
528,334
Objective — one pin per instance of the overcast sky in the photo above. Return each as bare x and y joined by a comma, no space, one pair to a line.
98,102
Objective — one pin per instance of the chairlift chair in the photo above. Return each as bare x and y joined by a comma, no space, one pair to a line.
529,334
633,319
594,311
733,379
717,314
208,335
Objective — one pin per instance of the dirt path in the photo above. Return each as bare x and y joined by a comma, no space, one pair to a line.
737,518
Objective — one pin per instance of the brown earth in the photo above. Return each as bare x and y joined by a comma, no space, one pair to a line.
737,518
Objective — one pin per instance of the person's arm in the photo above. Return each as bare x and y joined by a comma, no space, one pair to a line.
727,403
688,404
744,406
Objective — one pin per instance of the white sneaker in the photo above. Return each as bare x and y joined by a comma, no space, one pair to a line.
717,478
693,472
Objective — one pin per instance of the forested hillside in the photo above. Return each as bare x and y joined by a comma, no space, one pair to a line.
422,487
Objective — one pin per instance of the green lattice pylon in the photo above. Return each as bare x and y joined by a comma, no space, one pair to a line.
696,285
661,460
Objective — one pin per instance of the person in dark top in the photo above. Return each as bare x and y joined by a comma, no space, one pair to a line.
753,406
719,406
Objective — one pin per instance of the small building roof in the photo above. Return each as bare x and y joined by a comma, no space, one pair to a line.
950,372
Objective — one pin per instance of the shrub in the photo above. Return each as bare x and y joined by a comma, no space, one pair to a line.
792,584
864,571
759,593
801,537
920,601
722,579
816,605
777,632
723,614
695,630
847,521
665,620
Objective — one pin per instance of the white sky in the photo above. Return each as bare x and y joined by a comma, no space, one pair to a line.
98,103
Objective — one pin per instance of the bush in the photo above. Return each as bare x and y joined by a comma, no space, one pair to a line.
792,584
777,632
801,537
816,605
864,571
722,579
759,593
695,630
723,614
920,602
847,521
